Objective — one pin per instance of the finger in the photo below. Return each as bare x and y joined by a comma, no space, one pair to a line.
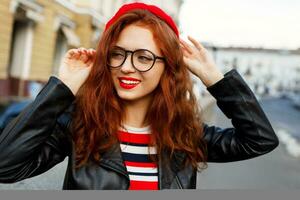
70,53
89,55
84,58
81,51
186,46
185,53
196,43
85,52
91,52
89,63
77,54
186,61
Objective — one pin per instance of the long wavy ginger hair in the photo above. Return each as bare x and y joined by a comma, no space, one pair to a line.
173,115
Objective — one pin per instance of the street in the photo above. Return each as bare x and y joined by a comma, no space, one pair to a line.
276,170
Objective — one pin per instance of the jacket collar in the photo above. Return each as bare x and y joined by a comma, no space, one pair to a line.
168,171
113,159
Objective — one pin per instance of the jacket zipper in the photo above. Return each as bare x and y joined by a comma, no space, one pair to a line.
178,182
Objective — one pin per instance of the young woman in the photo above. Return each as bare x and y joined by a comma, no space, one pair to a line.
125,114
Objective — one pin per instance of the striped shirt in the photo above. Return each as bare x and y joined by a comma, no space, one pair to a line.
143,173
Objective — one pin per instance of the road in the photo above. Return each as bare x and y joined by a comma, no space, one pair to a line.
276,170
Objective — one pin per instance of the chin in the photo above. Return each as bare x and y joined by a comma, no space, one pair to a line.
127,96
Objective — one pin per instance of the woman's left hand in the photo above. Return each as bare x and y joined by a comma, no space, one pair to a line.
200,62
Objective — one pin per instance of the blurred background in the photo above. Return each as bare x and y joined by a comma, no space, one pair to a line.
259,38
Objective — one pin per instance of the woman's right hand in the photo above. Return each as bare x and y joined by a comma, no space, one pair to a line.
75,67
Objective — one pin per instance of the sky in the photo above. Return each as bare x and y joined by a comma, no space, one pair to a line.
254,23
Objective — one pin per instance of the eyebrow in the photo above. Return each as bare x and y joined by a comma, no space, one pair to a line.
116,46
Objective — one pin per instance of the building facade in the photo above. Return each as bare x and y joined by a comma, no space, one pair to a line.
268,72
35,34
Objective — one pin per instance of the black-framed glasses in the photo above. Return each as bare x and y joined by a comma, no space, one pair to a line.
141,59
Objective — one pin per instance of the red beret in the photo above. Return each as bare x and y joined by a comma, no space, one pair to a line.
152,8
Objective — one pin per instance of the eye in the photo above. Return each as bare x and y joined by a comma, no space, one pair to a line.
117,55
143,56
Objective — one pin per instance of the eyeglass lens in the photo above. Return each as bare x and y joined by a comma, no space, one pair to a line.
141,59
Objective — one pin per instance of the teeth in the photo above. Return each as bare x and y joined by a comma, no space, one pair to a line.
130,82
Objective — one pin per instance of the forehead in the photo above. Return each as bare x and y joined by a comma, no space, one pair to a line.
137,37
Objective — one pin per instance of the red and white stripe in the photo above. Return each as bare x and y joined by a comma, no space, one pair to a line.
143,173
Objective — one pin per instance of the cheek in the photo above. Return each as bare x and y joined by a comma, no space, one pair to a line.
152,80
159,73
113,77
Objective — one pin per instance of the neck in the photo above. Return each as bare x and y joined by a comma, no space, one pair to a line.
135,113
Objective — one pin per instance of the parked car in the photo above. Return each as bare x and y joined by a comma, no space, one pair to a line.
12,111
296,101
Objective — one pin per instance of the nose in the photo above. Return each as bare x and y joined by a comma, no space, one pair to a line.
127,66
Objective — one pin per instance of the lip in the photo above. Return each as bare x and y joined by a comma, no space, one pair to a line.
128,86
128,78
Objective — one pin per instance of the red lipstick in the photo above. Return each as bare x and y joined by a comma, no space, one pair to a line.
128,82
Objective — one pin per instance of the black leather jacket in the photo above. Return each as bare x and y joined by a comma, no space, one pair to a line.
38,138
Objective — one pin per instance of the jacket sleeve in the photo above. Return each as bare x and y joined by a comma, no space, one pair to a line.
252,134
34,141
